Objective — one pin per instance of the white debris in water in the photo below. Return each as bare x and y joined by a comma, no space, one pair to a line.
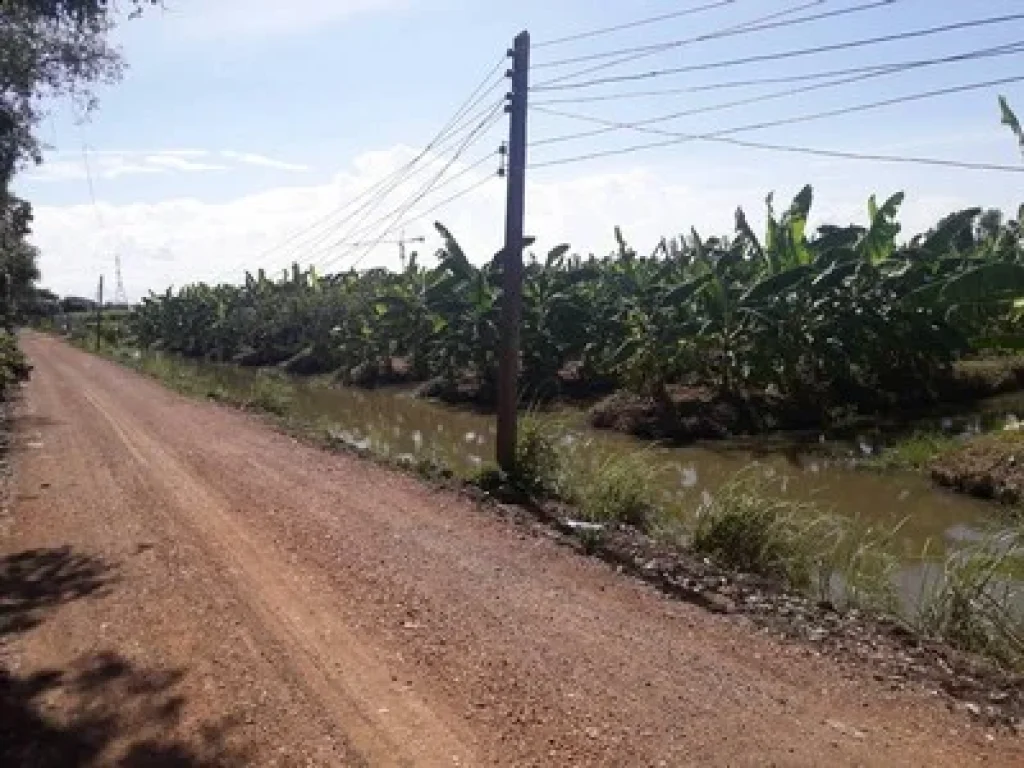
471,437
582,525
688,477
417,439
1013,424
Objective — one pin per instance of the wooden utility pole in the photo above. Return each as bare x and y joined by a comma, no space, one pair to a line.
99,314
512,255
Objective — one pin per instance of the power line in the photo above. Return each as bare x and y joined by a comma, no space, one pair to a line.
489,157
765,23
723,85
120,296
640,126
872,72
643,55
843,155
377,192
91,186
556,85
840,154
447,201
723,137
436,180
634,24
637,52
431,186
380,191
399,217
364,243
354,222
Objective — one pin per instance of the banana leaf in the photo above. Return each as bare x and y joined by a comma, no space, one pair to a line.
772,286
986,284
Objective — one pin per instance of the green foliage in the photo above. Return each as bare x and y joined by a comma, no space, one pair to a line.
51,48
552,462
746,525
1009,118
972,599
861,568
14,368
915,452
268,394
539,463
619,489
843,317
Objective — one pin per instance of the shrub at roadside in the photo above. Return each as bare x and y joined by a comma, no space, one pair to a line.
745,526
14,368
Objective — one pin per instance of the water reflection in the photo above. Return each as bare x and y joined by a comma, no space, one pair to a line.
393,423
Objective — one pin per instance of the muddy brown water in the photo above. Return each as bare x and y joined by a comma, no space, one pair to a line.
394,423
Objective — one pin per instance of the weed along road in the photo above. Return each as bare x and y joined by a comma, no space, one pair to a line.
186,586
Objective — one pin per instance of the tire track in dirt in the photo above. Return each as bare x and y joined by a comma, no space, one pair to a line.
386,723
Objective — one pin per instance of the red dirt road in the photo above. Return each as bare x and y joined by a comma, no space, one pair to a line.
181,585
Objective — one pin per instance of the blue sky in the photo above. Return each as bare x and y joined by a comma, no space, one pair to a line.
240,123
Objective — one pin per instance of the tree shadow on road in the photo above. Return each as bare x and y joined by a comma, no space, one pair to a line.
101,709
37,581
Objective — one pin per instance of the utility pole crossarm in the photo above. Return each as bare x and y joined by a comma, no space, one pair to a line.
512,256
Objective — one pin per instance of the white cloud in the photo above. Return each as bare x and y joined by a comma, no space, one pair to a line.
182,240
249,158
177,163
113,164
267,18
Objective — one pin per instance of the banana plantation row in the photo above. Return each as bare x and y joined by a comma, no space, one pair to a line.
847,319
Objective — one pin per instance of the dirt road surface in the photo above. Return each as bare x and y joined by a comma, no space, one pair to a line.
181,585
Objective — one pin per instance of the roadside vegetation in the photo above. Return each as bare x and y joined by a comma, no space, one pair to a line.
51,49
703,337
988,464
970,597
966,596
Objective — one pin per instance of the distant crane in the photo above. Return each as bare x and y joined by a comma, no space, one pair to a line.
402,242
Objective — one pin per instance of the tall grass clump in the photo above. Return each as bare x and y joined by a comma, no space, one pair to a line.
861,568
14,367
619,488
540,462
914,452
552,461
748,526
973,599
268,393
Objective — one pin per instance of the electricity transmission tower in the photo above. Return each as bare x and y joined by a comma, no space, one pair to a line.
120,295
